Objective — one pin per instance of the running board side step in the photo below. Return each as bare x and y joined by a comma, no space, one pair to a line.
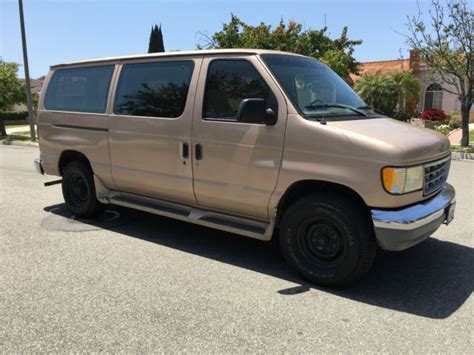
229,223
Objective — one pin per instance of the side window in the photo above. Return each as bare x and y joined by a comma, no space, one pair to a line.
79,89
228,83
155,89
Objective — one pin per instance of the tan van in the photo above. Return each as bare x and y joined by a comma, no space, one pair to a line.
258,143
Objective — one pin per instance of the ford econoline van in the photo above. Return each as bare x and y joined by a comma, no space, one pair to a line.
259,143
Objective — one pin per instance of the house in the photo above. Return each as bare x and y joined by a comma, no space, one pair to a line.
432,94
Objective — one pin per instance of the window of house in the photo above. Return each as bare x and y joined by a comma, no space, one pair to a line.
79,89
433,97
228,83
155,89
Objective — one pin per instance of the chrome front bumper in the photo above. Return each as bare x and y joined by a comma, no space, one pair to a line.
39,166
403,228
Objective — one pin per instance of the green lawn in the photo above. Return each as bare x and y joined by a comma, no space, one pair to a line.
458,148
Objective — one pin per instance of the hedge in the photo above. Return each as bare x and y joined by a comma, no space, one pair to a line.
14,116
15,122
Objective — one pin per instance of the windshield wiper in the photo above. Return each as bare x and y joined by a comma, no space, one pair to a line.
356,110
366,107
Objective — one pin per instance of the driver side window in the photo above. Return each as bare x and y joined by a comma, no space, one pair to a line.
228,83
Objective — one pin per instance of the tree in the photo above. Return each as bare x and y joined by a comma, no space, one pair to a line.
290,37
445,42
378,91
156,44
11,89
406,87
384,92
160,101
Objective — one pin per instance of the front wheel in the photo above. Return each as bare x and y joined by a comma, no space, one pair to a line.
79,190
328,239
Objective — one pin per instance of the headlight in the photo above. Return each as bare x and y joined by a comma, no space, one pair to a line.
403,180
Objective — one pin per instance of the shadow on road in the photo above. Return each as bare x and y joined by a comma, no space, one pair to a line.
432,279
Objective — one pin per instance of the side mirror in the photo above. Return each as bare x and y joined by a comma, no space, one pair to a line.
253,111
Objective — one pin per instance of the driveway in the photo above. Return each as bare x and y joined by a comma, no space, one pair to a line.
135,282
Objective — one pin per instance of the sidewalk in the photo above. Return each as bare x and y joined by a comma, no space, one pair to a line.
13,130
456,135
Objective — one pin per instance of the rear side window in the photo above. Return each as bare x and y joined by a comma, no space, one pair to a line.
153,89
228,83
79,89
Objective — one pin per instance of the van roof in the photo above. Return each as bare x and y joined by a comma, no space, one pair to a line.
203,52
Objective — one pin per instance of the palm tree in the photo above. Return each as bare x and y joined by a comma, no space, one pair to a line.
384,92
378,91
407,87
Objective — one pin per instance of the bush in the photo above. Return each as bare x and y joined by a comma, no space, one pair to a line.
433,114
14,116
453,124
442,128
402,116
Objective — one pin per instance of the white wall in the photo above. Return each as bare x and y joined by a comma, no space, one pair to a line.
450,101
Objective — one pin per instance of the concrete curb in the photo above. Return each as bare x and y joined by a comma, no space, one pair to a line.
21,144
462,156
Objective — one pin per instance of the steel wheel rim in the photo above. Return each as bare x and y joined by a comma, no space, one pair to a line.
321,242
78,190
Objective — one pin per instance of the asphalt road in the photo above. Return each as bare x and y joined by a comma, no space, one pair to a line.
141,283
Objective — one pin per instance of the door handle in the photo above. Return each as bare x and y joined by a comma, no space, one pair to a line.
198,151
185,151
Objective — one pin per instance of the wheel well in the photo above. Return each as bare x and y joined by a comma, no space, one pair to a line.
304,188
69,156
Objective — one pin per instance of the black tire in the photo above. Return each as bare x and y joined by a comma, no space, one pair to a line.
328,239
79,190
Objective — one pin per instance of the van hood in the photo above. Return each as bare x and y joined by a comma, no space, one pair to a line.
393,141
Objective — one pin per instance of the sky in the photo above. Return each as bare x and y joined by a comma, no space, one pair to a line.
61,31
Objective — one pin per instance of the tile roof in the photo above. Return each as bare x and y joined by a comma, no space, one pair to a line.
382,66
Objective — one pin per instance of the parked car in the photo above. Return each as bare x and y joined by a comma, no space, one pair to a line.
254,142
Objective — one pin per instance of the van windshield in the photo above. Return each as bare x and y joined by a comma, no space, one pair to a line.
315,90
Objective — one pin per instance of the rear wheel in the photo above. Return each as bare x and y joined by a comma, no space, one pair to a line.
328,239
79,190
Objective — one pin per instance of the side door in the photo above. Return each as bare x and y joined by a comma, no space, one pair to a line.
236,164
150,127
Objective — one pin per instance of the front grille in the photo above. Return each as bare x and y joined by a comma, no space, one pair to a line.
436,174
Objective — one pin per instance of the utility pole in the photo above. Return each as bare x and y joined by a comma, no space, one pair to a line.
29,101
